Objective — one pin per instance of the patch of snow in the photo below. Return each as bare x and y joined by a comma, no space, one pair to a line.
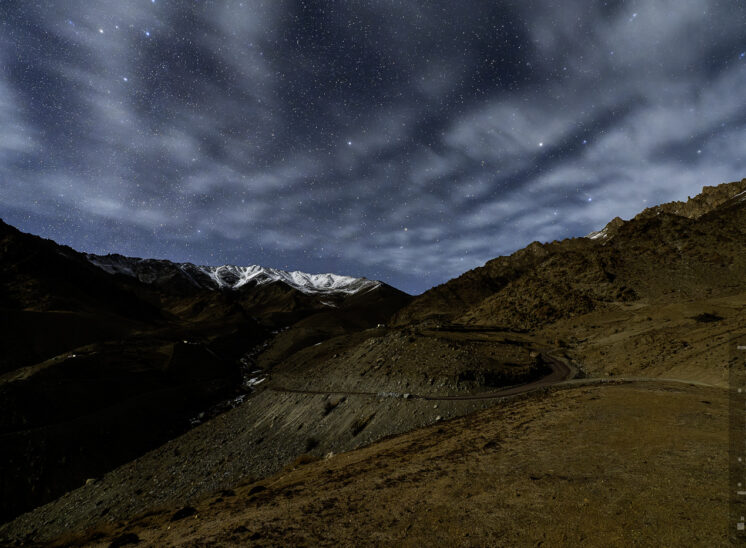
598,235
255,381
232,277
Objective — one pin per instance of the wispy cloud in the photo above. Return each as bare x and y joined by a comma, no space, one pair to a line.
408,142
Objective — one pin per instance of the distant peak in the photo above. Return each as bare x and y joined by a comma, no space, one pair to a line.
608,231
233,277
230,277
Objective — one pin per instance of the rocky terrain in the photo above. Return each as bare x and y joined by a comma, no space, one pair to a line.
569,394
626,464
669,253
100,366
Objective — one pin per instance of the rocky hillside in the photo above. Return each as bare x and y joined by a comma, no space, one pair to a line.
98,368
593,466
710,199
646,309
692,250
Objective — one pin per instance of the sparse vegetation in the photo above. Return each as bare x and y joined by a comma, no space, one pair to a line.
707,318
184,512
304,459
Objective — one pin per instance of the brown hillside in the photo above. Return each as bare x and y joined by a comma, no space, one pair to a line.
690,249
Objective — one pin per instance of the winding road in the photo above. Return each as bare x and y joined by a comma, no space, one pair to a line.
561,372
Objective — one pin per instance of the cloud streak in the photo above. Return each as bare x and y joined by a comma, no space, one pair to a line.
404,141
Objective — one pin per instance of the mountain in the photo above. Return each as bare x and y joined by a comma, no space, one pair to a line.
691,248
162,273
107,357
583,378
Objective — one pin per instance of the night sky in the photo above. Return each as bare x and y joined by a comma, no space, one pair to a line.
398,140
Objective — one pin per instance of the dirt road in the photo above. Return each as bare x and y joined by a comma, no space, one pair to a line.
561,371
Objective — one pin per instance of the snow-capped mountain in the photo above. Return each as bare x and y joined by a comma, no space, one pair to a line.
153,271
608,231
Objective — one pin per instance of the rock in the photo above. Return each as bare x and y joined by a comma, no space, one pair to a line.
406,396
438,418
91,481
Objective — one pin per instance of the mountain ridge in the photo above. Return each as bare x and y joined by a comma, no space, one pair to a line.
98,368
576,275
659,297
232,277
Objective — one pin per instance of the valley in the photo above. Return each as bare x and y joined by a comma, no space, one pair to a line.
574,392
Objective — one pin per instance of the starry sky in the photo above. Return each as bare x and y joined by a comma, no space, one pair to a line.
407,141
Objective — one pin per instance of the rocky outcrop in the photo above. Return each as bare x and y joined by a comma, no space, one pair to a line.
688,247
708,200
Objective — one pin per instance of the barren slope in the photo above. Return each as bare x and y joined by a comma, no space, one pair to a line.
616,465
592,462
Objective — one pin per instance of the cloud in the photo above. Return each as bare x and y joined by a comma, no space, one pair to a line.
310,135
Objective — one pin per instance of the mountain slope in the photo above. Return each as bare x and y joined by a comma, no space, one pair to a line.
690,248
521,474
105,358
654,302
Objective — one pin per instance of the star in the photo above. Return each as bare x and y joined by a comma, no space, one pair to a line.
213,129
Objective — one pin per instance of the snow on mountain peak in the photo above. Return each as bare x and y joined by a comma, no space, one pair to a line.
233,277
230,276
